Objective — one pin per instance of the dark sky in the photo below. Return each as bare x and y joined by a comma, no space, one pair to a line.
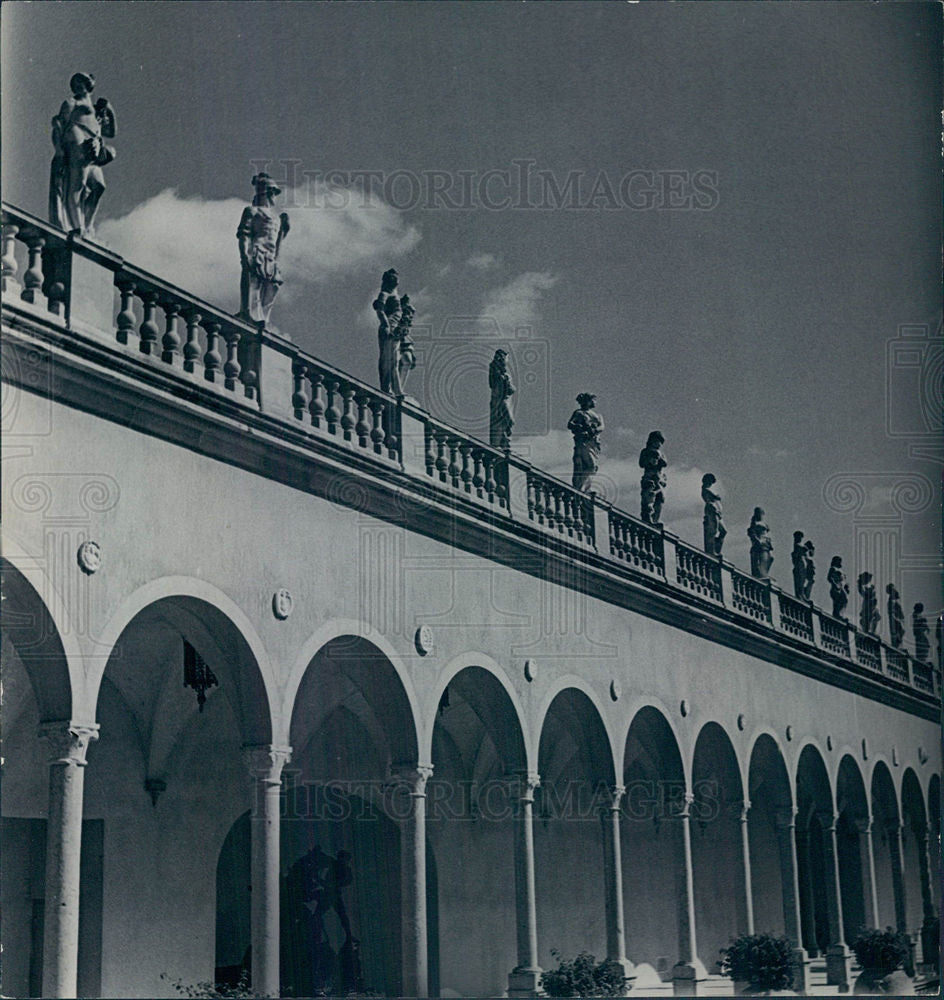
752,332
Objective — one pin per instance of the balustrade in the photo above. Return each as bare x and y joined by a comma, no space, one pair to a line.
465,465
749,596
896,664
559,508
834,635
29,246
868,651
698,572
796,617
637,544
922,676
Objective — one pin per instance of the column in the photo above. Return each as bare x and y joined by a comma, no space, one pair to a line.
898,875
838,956
688,971
929,942
746,862
786,843
67,743
265,764
869,887
613,875
524,980
805,889
413,780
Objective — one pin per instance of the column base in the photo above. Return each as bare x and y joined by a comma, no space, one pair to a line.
686,978
627,970
525,982
801,971
838,965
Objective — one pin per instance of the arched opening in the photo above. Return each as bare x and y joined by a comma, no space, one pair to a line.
477,744
575,761
652,846
771,804
885,841
914,848
717,855
852,843
814,858
352,726
180,696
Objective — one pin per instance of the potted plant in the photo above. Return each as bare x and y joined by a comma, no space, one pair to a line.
883,955
583,977
762,961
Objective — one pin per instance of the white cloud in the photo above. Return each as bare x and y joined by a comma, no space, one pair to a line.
483,261
516,304
191,242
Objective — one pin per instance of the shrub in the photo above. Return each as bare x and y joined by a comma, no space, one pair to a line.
583,977
884,951
215,991
764,961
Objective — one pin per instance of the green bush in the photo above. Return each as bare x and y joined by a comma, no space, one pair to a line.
764,961
884,951
583,977
215,991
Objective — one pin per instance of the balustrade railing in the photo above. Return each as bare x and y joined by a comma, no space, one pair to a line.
29,247
796,617
834,635
466,465
698,572
896,664
750,596
637,544
922,676
560,508
868,651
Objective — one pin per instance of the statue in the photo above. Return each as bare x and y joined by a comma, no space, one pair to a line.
810,571
500,420
406,355
922,634
838,588
896,617
868,610
76,181
715,530
585,424
798,555
652,462
762,546
389,315
260,237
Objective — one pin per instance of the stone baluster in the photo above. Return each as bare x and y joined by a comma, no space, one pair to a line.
391,441
746,867
347,415
686,971
453,470
148,331
376,430
67,744
300,400
9,265
332,413
524,980
442,463
490,484
613,887
431,452
125,320
838,956
571,515
863,826
790,889
534,486
231,368
170,342
33,276
265,764
362,427
465,449
317,406
248,375
212,360
478,474
558,508
893,831
192,318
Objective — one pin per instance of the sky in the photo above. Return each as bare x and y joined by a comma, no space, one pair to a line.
754,226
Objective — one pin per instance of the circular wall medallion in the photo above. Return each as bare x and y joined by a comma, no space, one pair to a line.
89,557
423,640
530,670
741,722
615,689
683,707
282,604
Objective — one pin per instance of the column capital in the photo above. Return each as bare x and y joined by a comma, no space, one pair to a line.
745,809
413,776
265,762
826,819
523,784
785,818
615,795
67,742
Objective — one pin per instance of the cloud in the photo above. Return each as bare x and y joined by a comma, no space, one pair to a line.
483,261
191,242
516,304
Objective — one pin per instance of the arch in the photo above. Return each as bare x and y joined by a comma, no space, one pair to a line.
886,844
882,792
41,632
934,803
913,810
855,878
579,703
767,769
812,780
651,720
189,600
335,629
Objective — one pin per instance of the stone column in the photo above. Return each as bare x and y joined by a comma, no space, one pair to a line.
867,854
929,946
746,862
805,889
898,875
688,971
265,764
524,980
413,779
786,843
838,956
613,875
66,743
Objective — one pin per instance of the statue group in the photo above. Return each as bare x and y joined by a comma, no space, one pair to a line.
395,317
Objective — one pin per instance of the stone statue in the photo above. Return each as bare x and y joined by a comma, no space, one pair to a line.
76,181
798,555
389,315
260,236
652,462
762,546
838,588
868,609
406,355
922,634
715,530
810,571
585,424
896,617
500,420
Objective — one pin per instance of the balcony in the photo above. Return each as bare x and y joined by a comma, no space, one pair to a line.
94,303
